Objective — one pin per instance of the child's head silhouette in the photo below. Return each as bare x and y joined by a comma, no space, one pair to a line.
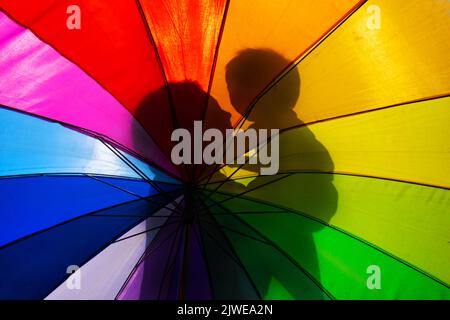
249,73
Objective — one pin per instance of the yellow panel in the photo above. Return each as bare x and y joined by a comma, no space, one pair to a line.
285,26
408,143
360,67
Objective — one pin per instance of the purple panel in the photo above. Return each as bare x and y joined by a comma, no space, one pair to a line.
146,281
160,274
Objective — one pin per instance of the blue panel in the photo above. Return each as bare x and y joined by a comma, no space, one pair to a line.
33,267
30,145
29,204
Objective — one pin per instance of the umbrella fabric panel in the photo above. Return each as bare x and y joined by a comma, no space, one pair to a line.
37,265
406,143
103,276
185,34
337,260
409,221
62,83
30,204
357,69
288,27
30,145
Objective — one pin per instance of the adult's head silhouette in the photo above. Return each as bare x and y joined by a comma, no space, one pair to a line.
178,105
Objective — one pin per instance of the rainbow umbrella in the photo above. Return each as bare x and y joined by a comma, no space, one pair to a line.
93,207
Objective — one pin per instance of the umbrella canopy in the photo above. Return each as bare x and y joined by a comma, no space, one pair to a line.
92,205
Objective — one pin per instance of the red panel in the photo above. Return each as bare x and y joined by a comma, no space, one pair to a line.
186,33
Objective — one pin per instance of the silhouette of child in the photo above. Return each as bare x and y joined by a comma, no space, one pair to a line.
247,76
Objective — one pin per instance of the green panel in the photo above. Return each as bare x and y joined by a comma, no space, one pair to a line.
339,261
275,276
407,220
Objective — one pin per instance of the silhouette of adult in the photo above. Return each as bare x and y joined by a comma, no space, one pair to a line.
173,269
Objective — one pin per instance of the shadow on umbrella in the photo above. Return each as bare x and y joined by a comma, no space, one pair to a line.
205,249
174,265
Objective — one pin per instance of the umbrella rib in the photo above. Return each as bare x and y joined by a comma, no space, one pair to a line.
216,55
160,64
146,231
217,244
131,193
240,166
174,119
201,244
212,72
284,253
69,174
135,168
282,210
63,223
114,186
337,173
150,181
234,259
168,237
145,255
185,263
395,105
231,175
127,161
246,191
89,175
243,212
68,221
172,110
240,233
174,216
125,216
170,262
142,257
